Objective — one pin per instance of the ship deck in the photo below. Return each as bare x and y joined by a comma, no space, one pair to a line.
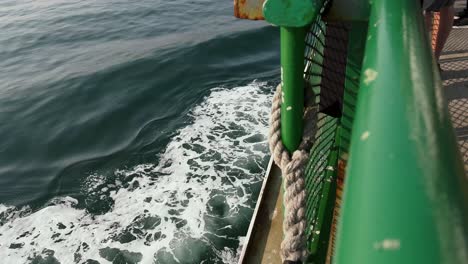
454,63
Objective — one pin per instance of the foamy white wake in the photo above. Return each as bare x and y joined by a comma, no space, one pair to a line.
192,207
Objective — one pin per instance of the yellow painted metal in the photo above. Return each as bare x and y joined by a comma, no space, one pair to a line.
249,9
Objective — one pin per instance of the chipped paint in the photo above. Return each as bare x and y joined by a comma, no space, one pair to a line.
388,244
370,76
282,81
365,135
249,9
376,24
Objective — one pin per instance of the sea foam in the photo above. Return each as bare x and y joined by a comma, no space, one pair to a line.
192,205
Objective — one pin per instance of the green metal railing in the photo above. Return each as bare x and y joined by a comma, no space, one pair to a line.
406,194
380,103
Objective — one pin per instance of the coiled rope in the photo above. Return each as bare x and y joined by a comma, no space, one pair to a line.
293,246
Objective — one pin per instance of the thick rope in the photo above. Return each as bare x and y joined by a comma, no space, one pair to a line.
293,247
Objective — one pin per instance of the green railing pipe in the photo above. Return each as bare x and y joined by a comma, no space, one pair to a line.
293,18
406,193
292,79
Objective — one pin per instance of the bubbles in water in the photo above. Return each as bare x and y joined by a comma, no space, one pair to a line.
194,206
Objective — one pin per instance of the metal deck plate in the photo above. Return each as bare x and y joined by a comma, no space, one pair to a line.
458,41
454,63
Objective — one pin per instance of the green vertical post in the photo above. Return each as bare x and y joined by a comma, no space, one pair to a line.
292,79
406,193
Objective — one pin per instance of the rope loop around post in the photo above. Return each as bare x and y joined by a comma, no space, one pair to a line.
293,246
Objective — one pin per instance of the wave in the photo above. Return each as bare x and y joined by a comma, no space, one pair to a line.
192,205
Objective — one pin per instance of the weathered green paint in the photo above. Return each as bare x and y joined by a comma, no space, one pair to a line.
318,245
291,13
406,193
292,65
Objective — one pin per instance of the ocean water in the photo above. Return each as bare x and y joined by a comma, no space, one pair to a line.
131,131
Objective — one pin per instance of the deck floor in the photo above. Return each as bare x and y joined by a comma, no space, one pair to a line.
454,63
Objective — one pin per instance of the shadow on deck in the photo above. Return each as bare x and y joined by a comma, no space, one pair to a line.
454,63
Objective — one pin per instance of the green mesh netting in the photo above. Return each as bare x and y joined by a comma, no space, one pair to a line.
335,97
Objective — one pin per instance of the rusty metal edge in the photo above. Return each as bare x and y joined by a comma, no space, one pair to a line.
240,15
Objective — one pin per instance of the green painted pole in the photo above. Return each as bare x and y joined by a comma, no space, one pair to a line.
292,66
406,193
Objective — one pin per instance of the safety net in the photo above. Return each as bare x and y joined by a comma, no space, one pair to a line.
335,94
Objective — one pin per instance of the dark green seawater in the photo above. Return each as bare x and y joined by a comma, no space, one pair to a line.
131,131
